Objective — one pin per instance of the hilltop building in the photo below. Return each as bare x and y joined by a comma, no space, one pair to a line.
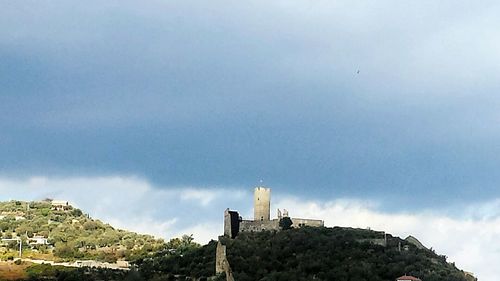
233,222
60,205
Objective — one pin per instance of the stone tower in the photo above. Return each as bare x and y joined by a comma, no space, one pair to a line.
262,204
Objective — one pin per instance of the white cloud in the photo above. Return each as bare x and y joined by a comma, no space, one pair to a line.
468,236
203,232
203,196
207,196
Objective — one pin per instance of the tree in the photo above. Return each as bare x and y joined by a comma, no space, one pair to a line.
90,225
285,223
76,212
64,251
4,226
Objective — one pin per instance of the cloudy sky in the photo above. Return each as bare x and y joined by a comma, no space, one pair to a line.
155,116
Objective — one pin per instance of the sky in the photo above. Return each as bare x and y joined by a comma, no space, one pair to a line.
369,114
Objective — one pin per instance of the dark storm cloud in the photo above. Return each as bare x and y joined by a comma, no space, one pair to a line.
225,93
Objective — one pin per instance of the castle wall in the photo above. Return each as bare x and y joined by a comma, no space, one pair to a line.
298,222
256,226
221,262
220,258
262,204
233,224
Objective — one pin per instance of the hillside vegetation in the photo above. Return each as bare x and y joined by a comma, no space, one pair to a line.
69,234
341,254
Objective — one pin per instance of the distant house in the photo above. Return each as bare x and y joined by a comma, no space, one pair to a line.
38,240
59,205
407,278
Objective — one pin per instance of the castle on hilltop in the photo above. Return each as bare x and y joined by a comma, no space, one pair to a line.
233,222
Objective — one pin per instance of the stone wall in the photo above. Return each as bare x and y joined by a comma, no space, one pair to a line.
220,258
256,226
221,262
233,225
248,225
298,222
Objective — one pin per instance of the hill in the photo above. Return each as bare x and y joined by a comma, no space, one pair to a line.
53,230
342,254
310,254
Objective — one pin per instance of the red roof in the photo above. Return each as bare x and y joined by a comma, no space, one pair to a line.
410,278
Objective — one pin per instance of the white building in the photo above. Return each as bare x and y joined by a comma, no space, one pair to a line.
60,205
38,240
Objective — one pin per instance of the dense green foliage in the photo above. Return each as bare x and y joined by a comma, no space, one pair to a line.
285,223
194,262
310,254
175,249
180,259
71,234
60,273
332,254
